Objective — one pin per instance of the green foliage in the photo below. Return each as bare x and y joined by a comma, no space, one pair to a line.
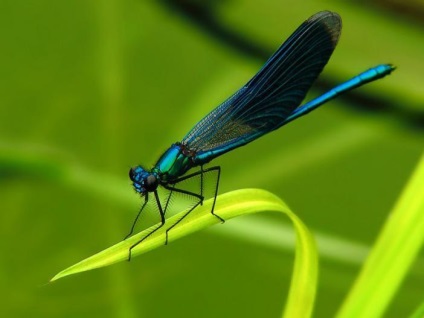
392,255
385,268
419,313
89,89
230,205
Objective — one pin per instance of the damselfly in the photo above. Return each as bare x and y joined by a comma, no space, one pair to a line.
268,101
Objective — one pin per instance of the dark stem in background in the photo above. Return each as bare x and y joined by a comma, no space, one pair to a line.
411,10
203,15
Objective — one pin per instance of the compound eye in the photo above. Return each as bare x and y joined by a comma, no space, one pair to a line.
132,174
151,183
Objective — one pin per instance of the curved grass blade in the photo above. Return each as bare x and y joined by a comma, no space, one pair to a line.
304,279
392,255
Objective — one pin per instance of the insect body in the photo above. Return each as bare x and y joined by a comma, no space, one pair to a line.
268,101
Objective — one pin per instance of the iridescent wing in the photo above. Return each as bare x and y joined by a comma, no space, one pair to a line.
272,94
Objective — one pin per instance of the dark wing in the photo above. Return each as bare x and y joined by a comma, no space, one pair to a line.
273,93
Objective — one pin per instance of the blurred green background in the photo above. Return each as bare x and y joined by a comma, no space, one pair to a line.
90,88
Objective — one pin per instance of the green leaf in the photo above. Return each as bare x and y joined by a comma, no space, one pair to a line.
229,205
395,250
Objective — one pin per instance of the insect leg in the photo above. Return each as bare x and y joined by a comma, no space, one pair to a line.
146,199
201,173
162,217
188,212
167,201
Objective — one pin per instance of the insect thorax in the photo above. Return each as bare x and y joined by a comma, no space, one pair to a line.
175,162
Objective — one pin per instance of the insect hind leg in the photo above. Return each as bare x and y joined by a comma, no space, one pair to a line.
218,171
202,173
198,196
